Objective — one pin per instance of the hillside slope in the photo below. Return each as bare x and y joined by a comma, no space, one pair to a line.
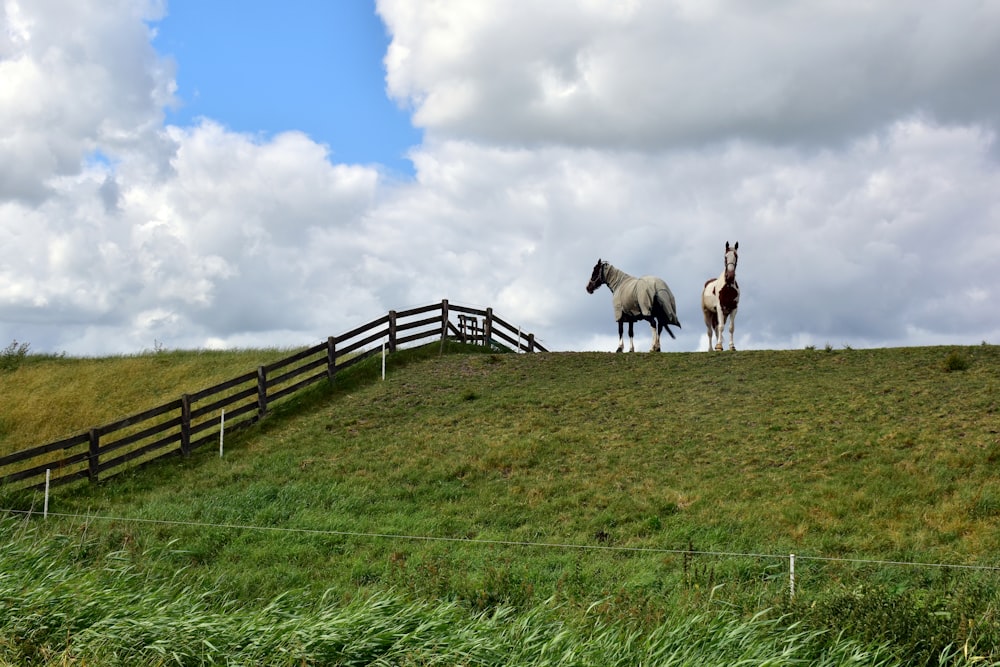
650,481
46,398
797,446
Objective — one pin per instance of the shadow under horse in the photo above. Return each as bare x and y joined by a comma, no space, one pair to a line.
647,298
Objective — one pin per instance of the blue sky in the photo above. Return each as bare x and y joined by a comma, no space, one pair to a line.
308,65
230,174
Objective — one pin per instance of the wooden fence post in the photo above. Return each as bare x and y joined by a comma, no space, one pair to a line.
331,358
488,328
444,323
261,392
93,462
392,331
84,450
185,425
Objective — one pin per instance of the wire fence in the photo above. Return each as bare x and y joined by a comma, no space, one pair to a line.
791,559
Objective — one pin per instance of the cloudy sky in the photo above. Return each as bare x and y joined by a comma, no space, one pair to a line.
190,174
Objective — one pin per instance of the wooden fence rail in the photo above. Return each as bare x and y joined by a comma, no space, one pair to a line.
182,425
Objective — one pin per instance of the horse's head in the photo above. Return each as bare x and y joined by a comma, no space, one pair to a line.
731,258
596,277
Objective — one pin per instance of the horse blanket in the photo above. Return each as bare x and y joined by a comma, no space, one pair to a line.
635,298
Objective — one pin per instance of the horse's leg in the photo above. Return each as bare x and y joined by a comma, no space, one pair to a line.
711,314
621,339
656,336
732,327
631,336
720,321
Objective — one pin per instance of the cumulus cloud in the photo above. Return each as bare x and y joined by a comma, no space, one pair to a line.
651,75
76,79
850,149
846,246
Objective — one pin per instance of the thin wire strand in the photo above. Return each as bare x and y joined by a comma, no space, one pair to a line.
515,543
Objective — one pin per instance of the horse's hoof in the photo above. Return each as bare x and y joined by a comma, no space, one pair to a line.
732,348
718,348
619,350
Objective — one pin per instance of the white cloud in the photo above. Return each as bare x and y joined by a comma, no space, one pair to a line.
76,78
651,75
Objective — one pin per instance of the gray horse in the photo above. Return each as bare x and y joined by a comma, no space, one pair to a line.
647,298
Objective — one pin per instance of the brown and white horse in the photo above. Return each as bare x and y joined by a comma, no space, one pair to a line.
719,300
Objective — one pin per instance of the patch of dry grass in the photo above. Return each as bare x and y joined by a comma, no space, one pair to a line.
47,398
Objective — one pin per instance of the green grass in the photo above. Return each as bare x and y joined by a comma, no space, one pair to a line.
45,398
585,488
58,614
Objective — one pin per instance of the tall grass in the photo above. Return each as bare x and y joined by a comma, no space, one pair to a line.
56,613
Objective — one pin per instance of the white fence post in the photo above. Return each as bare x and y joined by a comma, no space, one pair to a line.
383,361
45,510
222,429
791,575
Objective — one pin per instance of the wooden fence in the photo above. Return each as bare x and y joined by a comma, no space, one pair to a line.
180,426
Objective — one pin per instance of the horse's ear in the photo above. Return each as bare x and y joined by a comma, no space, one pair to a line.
727,246
737,246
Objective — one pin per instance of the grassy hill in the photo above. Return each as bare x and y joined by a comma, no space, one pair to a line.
635,492
45,398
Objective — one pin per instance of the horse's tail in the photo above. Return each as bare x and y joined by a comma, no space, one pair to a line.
666,308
